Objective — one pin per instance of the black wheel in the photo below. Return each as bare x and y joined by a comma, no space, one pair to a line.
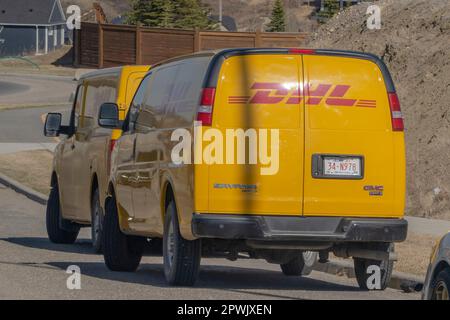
53,221
120,251
181,257
96,222
293,267
441,285
300,265
386,267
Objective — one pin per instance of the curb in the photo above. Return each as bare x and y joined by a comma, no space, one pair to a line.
399,280
22,189
7,107
36,73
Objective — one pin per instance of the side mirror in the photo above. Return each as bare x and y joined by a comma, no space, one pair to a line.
52,126
108,116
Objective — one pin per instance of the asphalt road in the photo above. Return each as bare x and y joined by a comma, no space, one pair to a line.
33,268
12,88
26,125
21,128
35,89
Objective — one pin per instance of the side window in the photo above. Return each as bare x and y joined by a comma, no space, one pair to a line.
156,97
136,104
187,88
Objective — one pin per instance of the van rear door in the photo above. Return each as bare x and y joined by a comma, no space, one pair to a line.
354,161
259,92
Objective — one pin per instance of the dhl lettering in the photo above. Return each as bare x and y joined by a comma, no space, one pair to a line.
275,93
263,95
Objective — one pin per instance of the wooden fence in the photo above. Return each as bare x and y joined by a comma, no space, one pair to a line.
104,45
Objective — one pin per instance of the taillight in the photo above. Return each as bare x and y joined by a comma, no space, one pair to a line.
205,109
301,51
396,112
112,144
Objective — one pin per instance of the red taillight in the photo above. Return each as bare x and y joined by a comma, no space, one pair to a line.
396,112
301,51
112,144
205,109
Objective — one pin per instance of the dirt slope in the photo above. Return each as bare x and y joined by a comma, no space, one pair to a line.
415,43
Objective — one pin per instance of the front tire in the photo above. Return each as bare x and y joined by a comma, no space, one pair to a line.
53,221
441,285
120,251
181,257
96,222
386,267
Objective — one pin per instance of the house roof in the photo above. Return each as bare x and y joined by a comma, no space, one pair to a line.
31,12
228,22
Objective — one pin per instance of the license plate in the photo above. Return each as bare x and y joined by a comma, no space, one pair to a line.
342,166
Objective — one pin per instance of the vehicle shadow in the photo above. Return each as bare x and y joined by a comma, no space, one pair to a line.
211,277
81,246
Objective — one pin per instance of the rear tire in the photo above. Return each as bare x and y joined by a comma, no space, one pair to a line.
386,267
293,267
181,257
441,285
53,216
96,222
301,265
120,251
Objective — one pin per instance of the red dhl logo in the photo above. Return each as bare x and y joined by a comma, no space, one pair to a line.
274,93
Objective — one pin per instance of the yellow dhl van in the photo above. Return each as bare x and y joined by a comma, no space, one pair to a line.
330,178
81,162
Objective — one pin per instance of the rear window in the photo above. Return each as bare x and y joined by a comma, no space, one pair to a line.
99,91
186,90
169,95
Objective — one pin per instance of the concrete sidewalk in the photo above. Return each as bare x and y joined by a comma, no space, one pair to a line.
426,226
6,148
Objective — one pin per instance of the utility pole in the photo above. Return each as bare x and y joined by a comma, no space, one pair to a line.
220,12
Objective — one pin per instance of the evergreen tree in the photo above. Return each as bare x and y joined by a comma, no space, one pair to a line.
191,14
331,7
138,9
186,14
151,13
168,15
277,19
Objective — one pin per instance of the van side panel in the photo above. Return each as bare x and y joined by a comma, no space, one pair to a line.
348,114
257,92
91,142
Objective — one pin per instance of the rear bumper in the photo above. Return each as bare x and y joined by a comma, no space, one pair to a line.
287,228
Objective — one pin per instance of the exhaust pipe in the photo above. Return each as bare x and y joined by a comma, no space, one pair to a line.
365,254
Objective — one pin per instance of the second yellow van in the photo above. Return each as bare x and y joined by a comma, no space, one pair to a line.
261,153
82,158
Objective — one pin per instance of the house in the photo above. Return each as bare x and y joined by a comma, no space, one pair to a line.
31,27
228,23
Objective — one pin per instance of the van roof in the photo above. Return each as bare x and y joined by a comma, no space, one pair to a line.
114,70
221,54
